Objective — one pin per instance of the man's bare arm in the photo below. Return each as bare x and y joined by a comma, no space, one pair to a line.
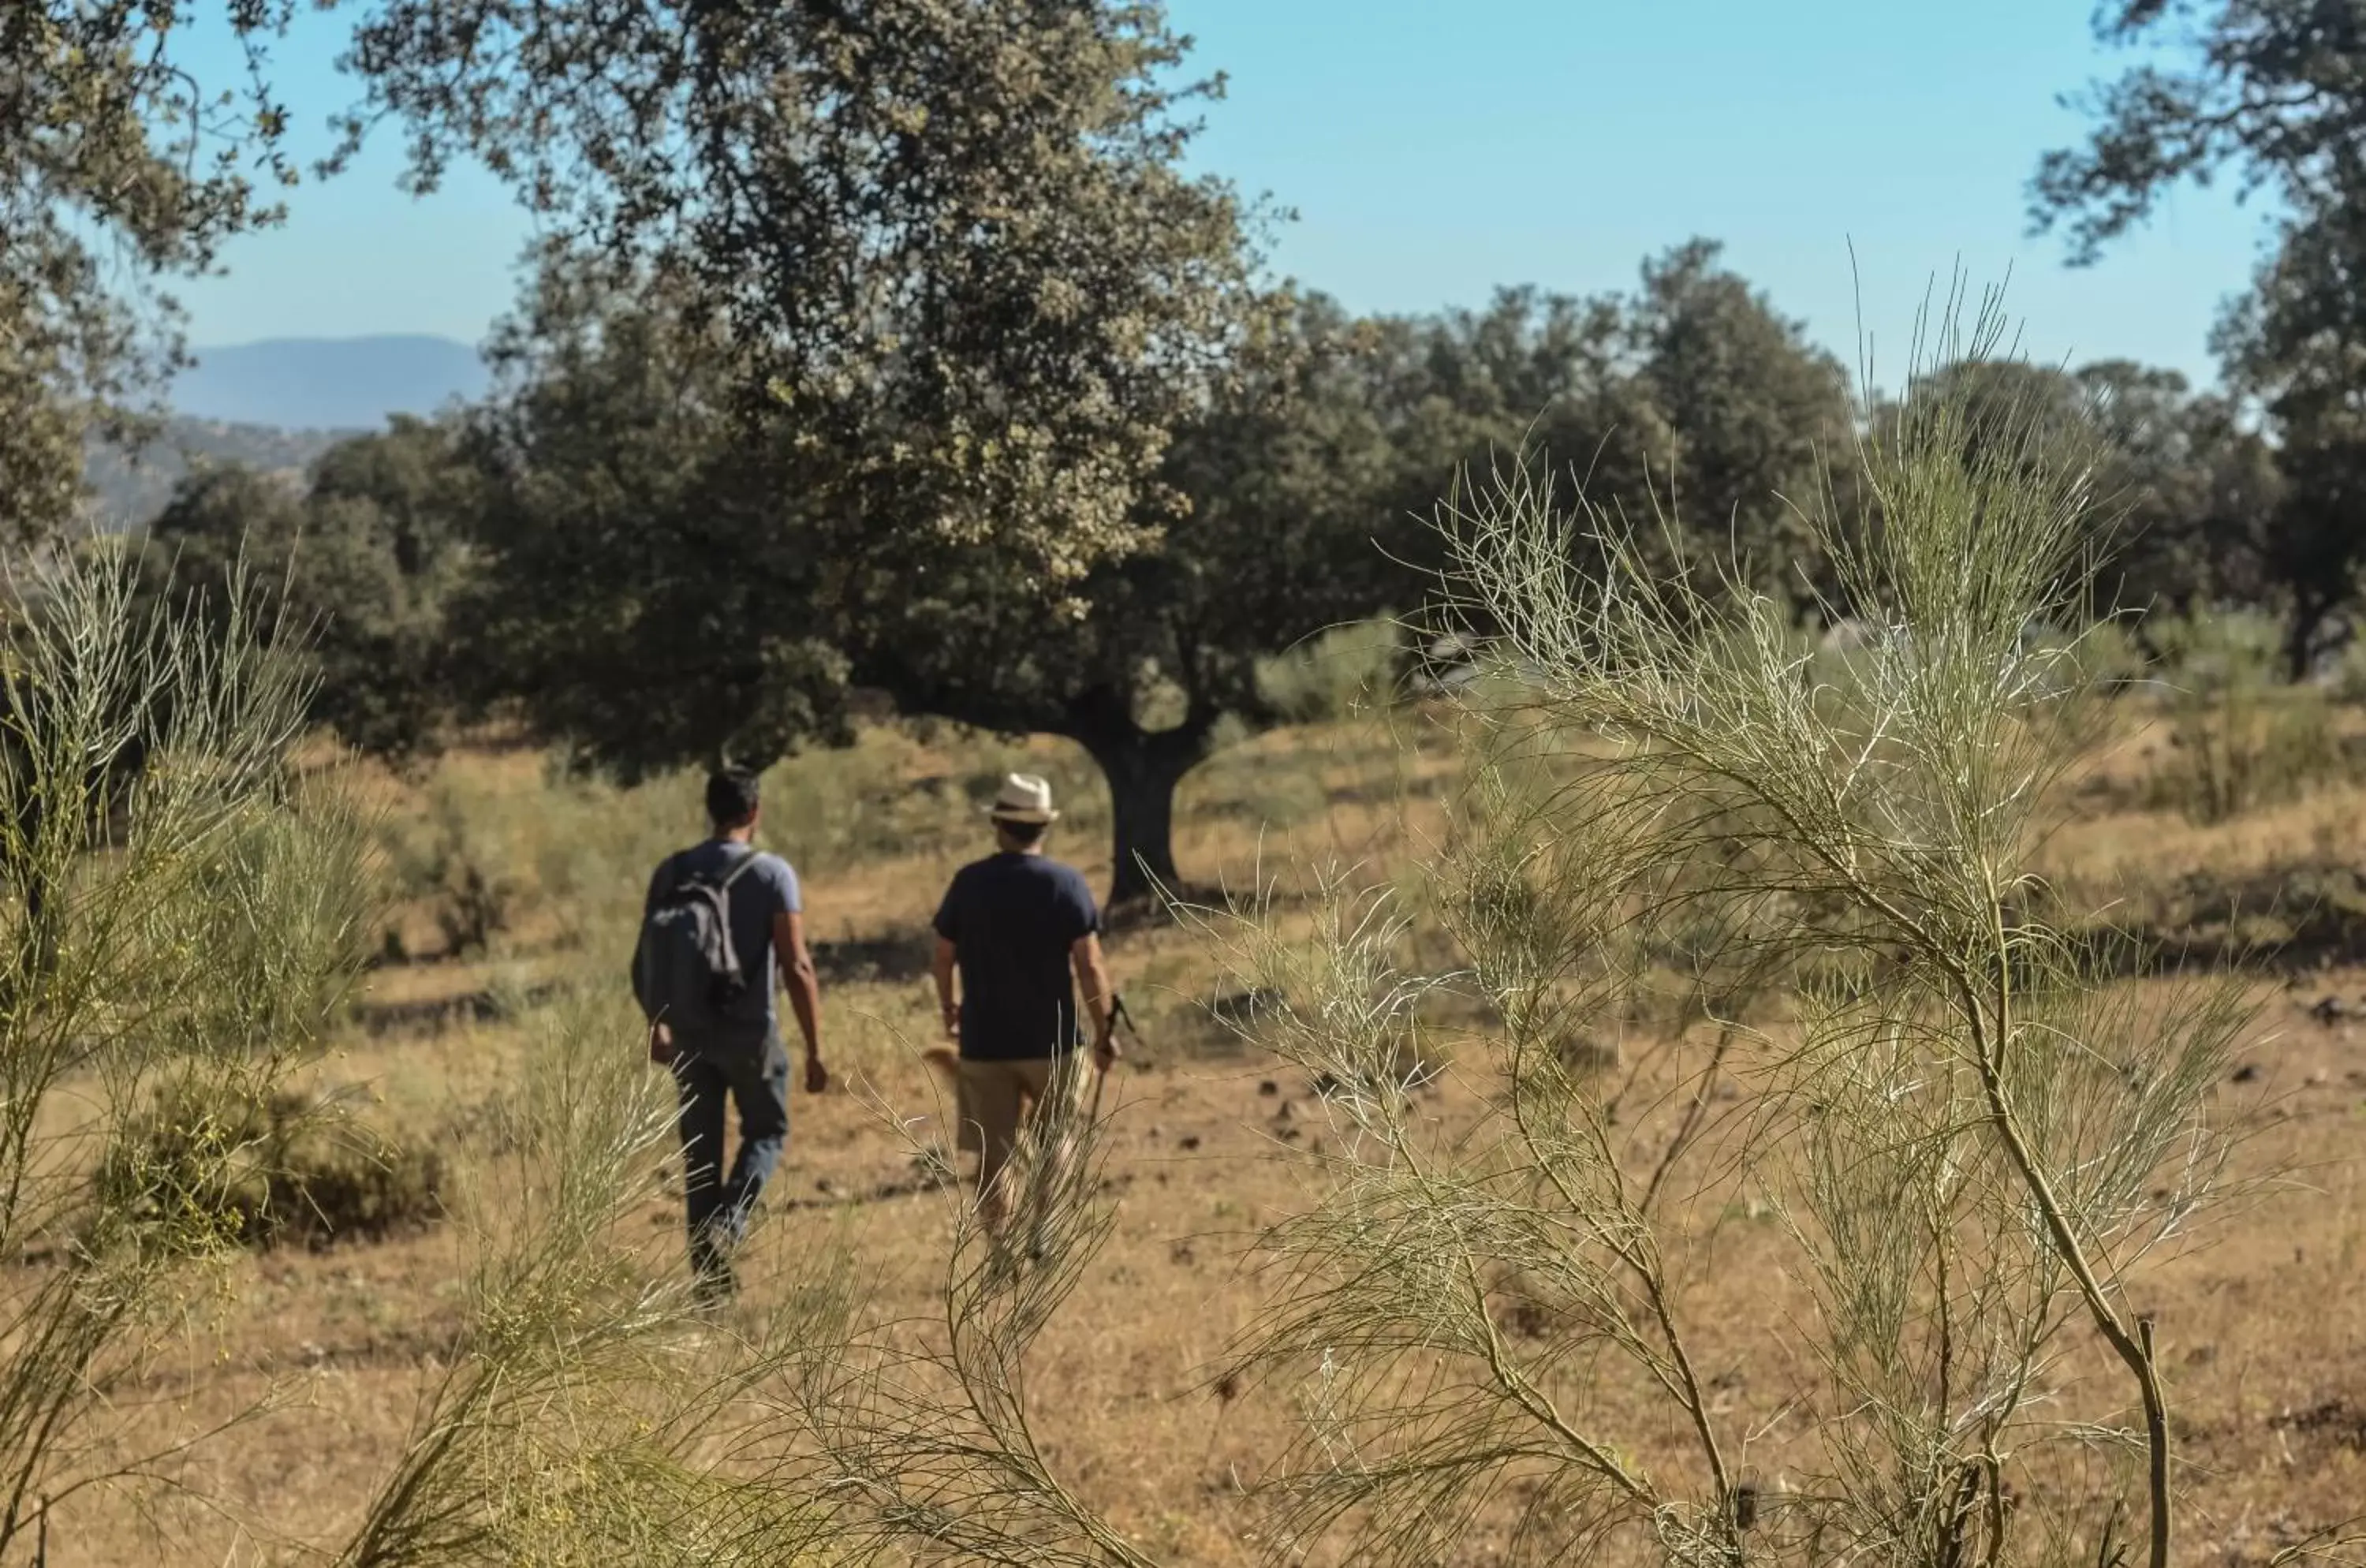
947,956
804,986
1092,979
662,1049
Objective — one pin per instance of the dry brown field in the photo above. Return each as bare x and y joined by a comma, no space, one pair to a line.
2262,1317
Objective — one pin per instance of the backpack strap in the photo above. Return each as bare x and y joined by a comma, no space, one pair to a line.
676,881
742,864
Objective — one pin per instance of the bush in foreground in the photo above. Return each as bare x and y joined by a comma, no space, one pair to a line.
1969,1138
182,915
283,1171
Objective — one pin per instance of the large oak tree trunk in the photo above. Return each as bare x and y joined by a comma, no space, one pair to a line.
1142,799
2311,610
1142,767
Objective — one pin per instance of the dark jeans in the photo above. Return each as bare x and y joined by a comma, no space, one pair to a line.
755,1077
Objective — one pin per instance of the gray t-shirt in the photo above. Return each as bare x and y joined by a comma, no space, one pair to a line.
766,890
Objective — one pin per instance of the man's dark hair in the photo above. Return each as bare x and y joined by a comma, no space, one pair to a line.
1026,835
732,795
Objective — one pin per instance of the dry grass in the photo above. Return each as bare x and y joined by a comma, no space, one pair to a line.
2263,1325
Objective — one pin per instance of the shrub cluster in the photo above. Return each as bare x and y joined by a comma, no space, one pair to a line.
284,1171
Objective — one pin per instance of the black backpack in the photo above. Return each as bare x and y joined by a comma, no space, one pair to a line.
686,974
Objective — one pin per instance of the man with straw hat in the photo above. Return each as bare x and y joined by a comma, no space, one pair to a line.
1022,934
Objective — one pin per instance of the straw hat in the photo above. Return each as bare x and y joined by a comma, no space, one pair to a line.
1023,798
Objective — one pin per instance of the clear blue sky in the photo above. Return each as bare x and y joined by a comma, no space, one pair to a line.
1435,150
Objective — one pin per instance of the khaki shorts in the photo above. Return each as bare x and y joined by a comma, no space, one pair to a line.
996,1097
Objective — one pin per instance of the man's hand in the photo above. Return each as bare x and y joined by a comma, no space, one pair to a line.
817,1075
661,1050
953,1020
1105,1051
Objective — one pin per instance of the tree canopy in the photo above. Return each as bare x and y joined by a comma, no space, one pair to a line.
952,244
2271,90
616,546
654,593
655,587
1691,400
1751,410
658,589
2183,485
359,568
119,170
1286,477
2274,90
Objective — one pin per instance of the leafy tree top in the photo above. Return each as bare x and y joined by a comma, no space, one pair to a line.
2271,88
949,239
118,169
360,567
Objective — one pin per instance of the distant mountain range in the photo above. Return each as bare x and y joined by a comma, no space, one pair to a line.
327,383
278,406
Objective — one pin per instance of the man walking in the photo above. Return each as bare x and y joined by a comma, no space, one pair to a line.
718,919
1015,927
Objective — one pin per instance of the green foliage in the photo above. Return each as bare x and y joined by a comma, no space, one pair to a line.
2240,739
1692,396
1751,410
954,244
2183,492
2188,492
359,569
1290,473
118,167
2271,89
1343,671
586,1417
483,858
447,865
2295,344
2107,653
1309,484
653,589
183,914
260,1173
1967,1135
656,593
661,589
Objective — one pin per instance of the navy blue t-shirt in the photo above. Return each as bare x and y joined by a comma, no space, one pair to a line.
1013,920
766,890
